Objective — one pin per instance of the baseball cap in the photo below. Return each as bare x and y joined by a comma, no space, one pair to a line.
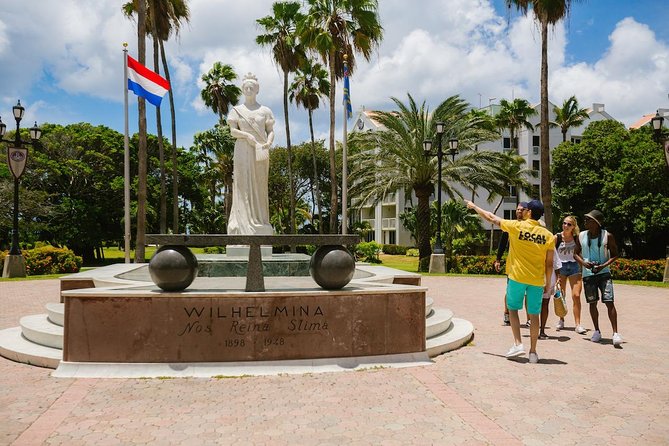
523,204
597,216
537,206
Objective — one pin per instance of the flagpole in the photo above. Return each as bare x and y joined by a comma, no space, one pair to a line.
344,175
126,158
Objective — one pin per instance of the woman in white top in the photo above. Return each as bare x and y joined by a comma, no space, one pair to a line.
566,244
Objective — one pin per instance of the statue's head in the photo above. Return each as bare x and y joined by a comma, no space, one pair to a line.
250,83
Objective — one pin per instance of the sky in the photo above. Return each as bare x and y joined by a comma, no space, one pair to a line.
63,59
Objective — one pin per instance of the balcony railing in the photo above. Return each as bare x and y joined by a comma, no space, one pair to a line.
388,223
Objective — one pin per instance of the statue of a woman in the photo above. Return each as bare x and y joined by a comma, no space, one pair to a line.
252,125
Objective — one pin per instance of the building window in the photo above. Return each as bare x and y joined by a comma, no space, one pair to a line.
509,214
512,191
507,143
536,165
536,140
576,139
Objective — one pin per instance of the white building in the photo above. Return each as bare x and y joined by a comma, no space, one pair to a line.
384,216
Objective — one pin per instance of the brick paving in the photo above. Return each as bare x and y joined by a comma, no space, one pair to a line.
580,392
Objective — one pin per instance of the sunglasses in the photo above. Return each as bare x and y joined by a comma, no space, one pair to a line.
567,223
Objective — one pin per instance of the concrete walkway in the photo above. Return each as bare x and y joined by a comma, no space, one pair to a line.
580,392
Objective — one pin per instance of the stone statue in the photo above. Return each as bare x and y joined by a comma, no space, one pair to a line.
252,125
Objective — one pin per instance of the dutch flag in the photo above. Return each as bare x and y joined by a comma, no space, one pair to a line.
145,83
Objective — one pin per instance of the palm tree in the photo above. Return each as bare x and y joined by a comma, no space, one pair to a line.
546,12
219,93
513,116
455,221
569,115
141,150
280,34
334,28
165,17
392,159
308,87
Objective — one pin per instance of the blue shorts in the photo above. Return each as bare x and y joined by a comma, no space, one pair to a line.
515,294
569,269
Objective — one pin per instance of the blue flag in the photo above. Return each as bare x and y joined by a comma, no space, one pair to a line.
347,93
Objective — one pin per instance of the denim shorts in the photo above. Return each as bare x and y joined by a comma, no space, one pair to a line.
569,269
598,284
515,294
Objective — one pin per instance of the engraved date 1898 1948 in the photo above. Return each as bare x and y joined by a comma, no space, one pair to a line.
268,342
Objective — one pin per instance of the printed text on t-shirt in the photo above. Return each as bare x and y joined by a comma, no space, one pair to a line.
536,238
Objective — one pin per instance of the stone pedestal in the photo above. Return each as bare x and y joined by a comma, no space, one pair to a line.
438,263
15,266
143,325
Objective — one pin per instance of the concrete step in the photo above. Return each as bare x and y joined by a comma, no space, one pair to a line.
429,302
14,346
459,333
438,321
38,329
56,313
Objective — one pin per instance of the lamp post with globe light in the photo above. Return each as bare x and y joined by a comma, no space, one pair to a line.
438,265
14,265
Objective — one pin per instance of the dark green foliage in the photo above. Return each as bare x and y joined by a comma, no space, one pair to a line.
623,174
395,250
368,252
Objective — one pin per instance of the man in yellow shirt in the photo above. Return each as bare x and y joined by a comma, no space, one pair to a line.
529,267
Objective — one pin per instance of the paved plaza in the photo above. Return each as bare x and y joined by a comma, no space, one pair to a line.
579,393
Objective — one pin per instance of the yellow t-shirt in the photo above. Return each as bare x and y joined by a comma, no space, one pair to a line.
528,244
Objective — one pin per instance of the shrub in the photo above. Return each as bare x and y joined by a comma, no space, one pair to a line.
473,265
628,269
412,252
50,260
395,250
214,250
368,252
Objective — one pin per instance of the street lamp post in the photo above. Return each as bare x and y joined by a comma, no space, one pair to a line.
16,160
453,150
657,122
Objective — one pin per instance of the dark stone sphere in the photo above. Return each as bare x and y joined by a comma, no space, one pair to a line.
173,267
332,267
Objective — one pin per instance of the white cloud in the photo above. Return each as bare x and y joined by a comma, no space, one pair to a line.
630,78
431,49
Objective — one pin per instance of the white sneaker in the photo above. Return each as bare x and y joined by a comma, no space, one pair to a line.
560,325
617,339
534,358
516,350
580,329
596,336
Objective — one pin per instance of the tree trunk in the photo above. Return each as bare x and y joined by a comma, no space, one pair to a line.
316,176
423,226
546,194
161,146
564,135
141,152
492,226
291,185
334,207
175,172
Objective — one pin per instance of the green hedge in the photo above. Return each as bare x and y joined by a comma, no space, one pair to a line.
395,250
649,270
48,260
621,269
